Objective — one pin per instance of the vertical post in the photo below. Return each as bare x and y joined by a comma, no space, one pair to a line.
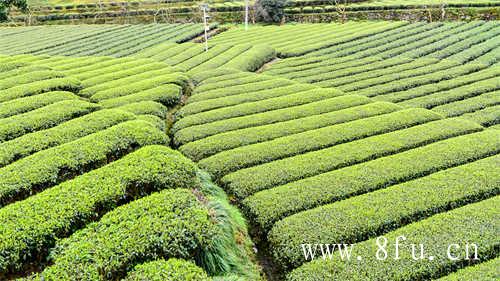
246,15
204,7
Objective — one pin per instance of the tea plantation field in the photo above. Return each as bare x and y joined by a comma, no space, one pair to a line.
127,152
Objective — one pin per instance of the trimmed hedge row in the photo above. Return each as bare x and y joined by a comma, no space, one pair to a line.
101,68
196,60
232,103
171,223
168,95
170,270
444,85
38,87
213,144
378,212
241,89
219,74
159,123
120,71
235,159
22,70
43,118
485,271
136,78
174,81
456,94
251,100
146,107
411,82
469,105
475,223
252,59
263,118
49,167
487,117
28,78
223,81
22,105
71,130
30,227
375,174
221,59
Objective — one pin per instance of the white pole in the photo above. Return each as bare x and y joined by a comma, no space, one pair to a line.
246,15
204,8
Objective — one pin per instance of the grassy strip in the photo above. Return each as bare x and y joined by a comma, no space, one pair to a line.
171,223
71,130
146,107
232,103
241,89
43,118
235,159
260,119
211,145
456,94
38,87
28,78
489,116
170,270
376,174
262,101
51,166
475,223
252,59
23,105
469,105
378,212
174,80
86,198
168,95
485,271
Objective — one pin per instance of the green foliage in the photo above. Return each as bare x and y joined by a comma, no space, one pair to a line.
23,105
71,130
5,6
38,87
474,222
485,271
168,95
52,166
372,175
146,107
215,143
43,118
170,270
31,226
232,160
380,211
171,223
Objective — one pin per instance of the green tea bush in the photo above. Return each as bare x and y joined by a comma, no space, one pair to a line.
365,177
168,95
71,130
235,159
211,145
52,166
169,224
146,107
43,118
23,105
378,212
485,271
34,76
31,226
475,223
38,87
169,270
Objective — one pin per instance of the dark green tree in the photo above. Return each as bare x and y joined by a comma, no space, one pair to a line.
270,10
6,5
